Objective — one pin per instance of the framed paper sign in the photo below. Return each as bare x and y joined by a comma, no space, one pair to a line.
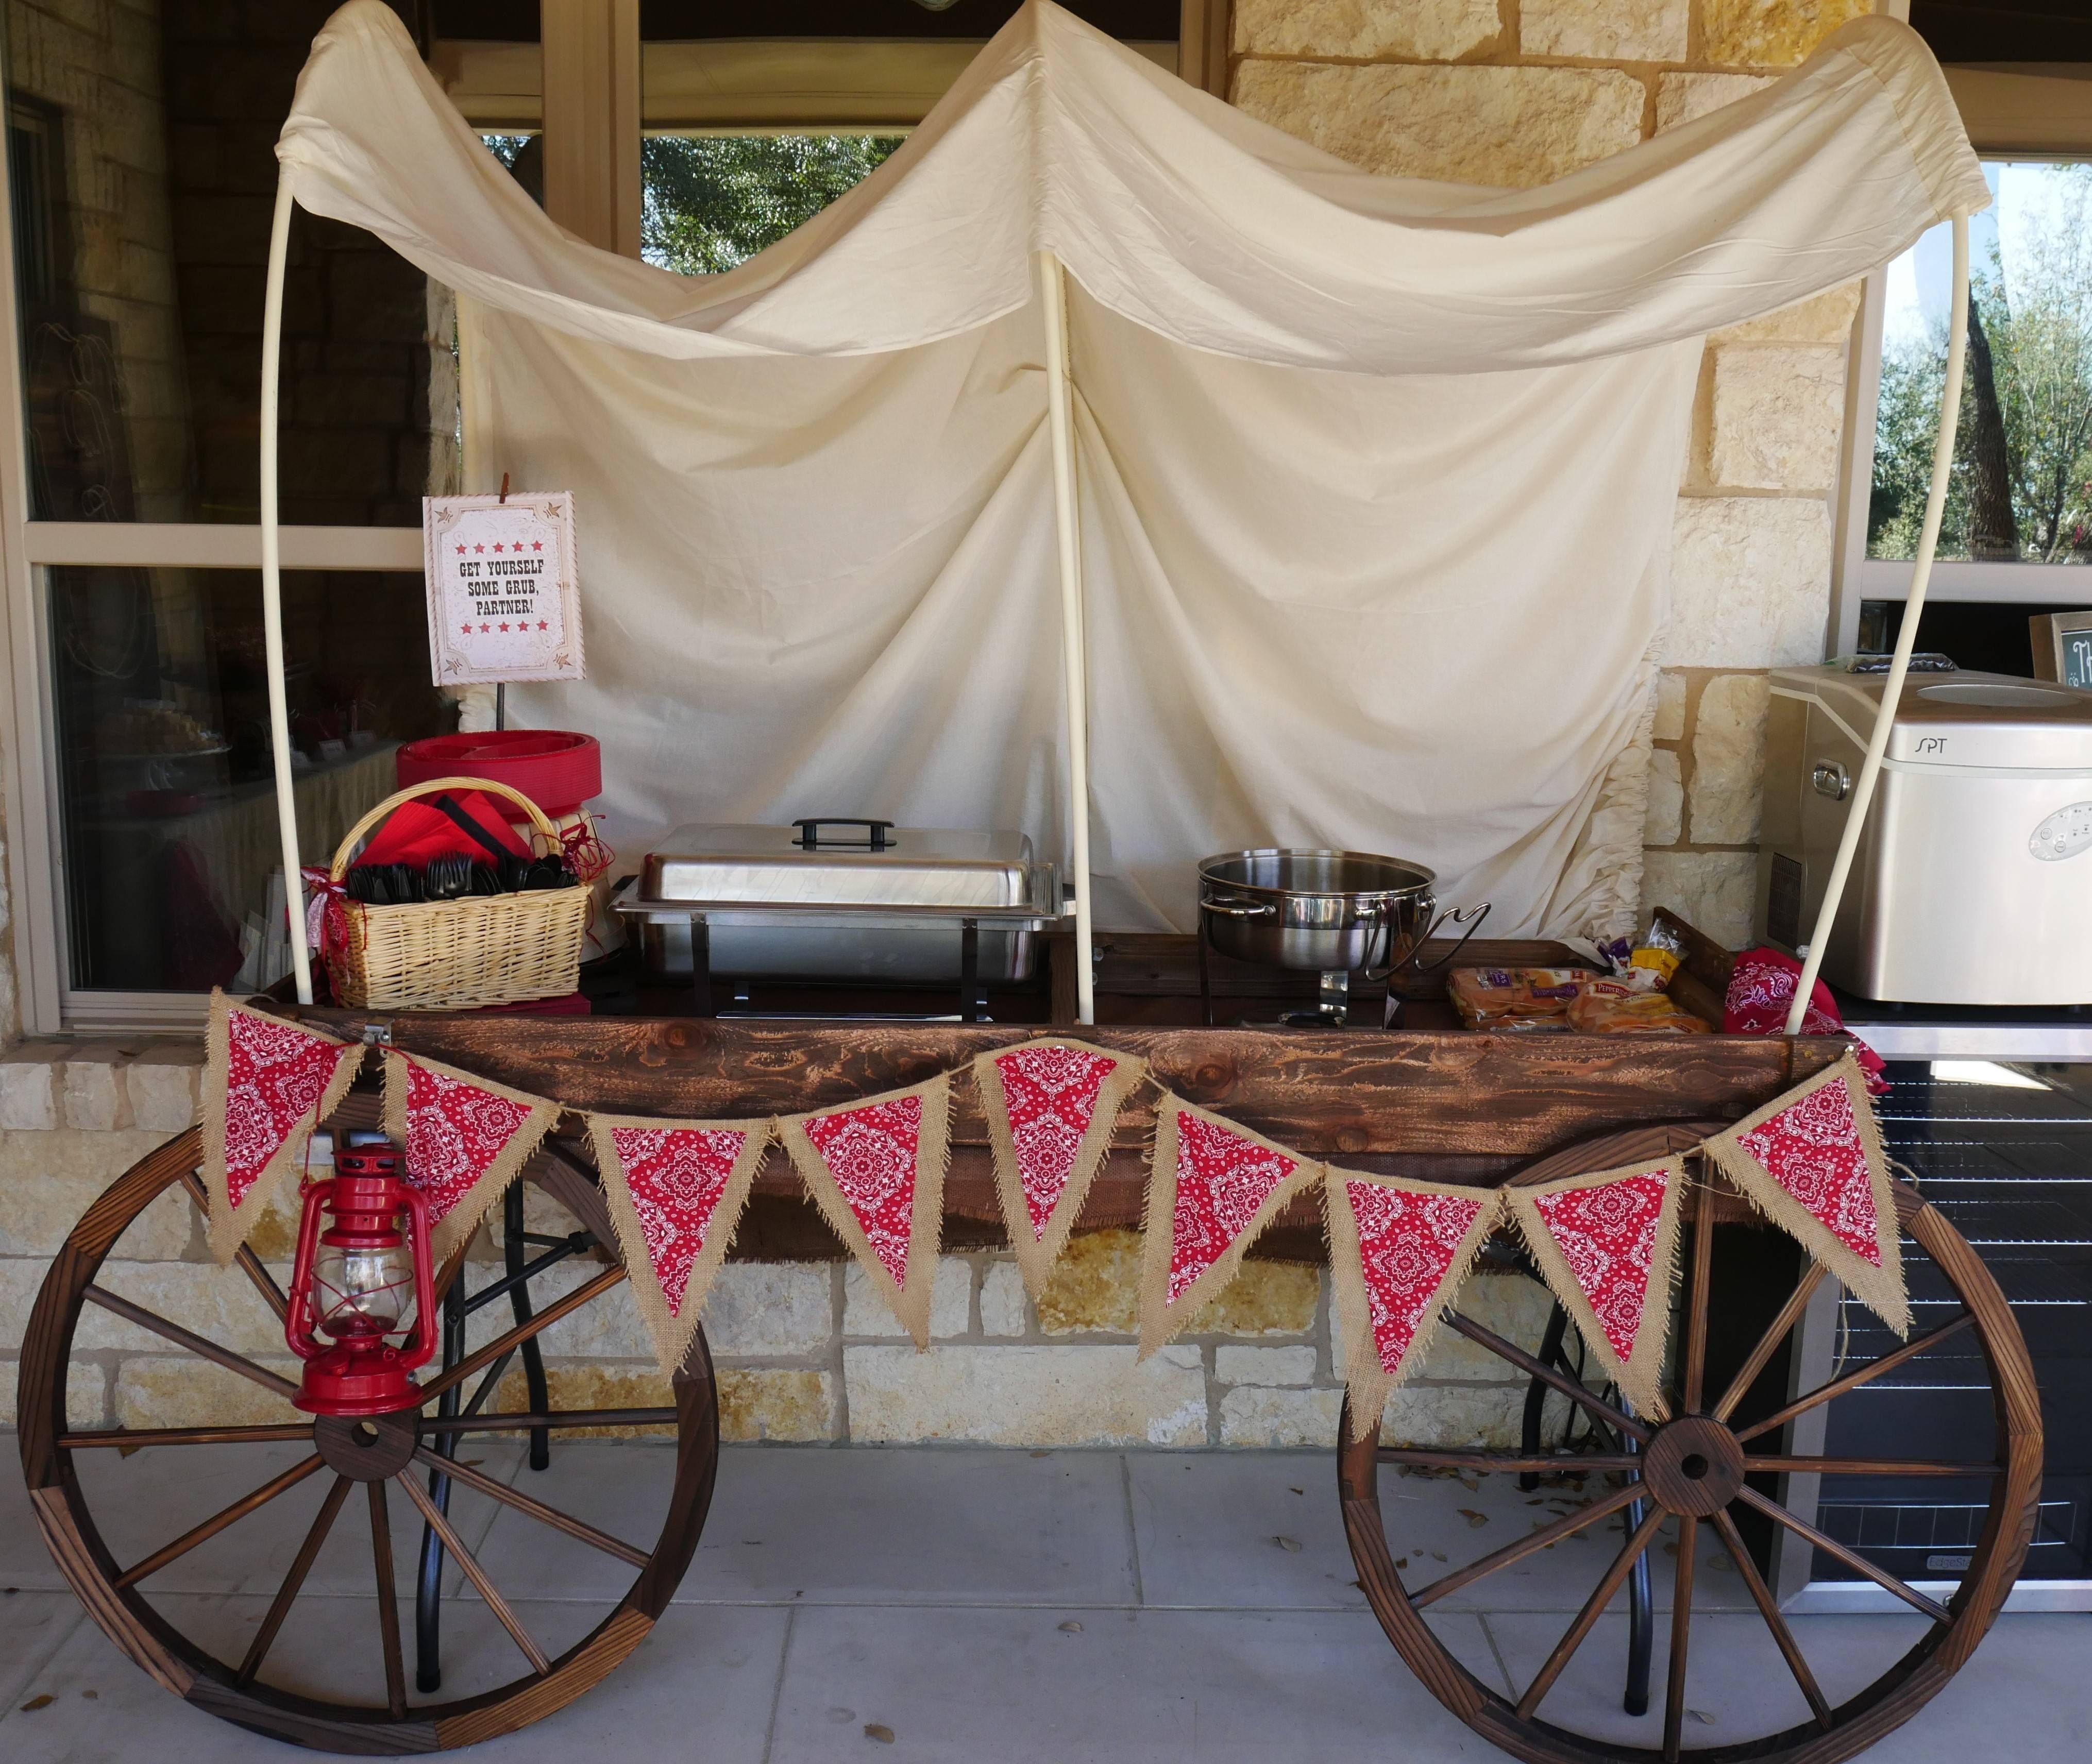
504,600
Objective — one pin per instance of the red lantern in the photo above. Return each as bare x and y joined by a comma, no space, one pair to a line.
352,1283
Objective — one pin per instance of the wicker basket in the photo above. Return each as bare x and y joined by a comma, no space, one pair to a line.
456,955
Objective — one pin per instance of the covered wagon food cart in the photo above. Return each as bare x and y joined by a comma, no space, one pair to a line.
1114,465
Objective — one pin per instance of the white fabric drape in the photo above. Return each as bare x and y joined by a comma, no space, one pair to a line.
1377,475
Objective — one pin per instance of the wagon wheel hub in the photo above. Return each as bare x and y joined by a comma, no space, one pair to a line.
1693,1465
372,1449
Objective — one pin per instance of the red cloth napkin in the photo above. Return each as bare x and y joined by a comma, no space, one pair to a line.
1761,989
417,831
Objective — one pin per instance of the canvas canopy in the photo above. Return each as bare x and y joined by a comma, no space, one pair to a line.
1377,478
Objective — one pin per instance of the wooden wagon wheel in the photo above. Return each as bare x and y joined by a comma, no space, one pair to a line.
394,1458
1690,1471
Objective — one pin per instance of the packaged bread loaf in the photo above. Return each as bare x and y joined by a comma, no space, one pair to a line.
1624,1008
1514,998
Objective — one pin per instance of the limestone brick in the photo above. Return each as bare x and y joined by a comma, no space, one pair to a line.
87,1393
1776,417
769,1308
1095,1287
1825,318
608,1327
218,1304
1360,30
1604,30
1264,1365
1279,1418
1749,577
569,1386
1771,34
48,1180
1265,1299
95,1097
1485,125
1002,1299
1511,1305
777,1403
180,1390
1027,1396
29,1090
1728,759
1455,1414
1713,891
1670,723
866,1313
1686,98
1664,823
162,1094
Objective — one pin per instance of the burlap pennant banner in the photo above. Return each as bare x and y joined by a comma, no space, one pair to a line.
465,1140
1398,1252
1812,1161
1607,1245
676,1190
1213,1188
876,1170
1051,1107
266,1085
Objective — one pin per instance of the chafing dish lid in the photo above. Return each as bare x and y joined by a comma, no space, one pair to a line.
918,867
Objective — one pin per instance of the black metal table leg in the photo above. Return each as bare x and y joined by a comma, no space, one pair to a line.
701,968
429,1583
973,993
1641,1619
512,1248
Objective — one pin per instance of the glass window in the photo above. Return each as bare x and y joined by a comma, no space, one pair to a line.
2022,489
714,201
165,793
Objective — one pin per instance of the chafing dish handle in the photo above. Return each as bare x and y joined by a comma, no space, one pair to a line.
1470,916
874,833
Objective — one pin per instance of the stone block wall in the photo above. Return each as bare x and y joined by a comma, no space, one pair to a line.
1516,93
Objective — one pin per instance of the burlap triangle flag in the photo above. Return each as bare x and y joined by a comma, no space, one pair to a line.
267,1083
1607,1245
675,1190
1050,1107
1213,1188
465,1140
1398,1251
1812,1161
876,1170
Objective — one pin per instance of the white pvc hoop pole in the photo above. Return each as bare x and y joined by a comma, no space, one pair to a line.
1921,578
1053,297
272,590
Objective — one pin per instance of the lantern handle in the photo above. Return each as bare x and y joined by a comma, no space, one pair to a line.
301,1328
420,1346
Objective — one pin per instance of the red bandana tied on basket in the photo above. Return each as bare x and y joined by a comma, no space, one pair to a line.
1812,1162
675,1190
1761,989
876,1170
267,1084
1050,1107
1213,1189
1607,1245
466,1138
1398,1251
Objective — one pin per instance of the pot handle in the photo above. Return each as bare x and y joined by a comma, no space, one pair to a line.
1238,909
1470,916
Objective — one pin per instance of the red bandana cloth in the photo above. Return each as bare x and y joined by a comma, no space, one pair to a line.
1398,1253
1607,1245
1760,990
1812,1162
267,1084
1217,1185
676,1191
466,1138
877,1171
1050,1107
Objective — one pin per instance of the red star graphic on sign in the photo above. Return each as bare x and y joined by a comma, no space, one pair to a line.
543,626
461,550
504,624
482,630
464,630
497,546
479,547
537,545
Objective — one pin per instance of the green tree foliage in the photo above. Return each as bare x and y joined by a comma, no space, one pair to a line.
2038,318
714,201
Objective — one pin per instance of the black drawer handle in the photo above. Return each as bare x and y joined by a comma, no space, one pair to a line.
875,840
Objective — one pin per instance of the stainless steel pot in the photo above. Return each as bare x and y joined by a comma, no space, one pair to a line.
1331,913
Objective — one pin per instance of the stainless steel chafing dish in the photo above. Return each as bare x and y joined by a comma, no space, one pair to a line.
844,900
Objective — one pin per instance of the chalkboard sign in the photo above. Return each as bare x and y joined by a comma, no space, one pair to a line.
2062,648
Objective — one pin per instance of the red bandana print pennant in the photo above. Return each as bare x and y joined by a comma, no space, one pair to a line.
466,1138
1407,1245
1812,1149
870,1153
267,1082
1218,1186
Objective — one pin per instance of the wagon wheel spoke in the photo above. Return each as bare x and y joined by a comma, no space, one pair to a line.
1695,1329
1776,1332
1851,1558
248,1263
537,1510
1858,1376
564,1418
388,1601
217,1523
1602,1595
1681,1628
279,1607
1871,1467
1565,1527
494,1350
1732,1541
433,1515
189,1339
1432,1458
1536,1369
137,1438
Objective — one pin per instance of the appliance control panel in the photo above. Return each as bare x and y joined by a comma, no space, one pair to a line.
2063,834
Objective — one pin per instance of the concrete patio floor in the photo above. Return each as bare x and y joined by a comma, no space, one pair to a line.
964,1604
